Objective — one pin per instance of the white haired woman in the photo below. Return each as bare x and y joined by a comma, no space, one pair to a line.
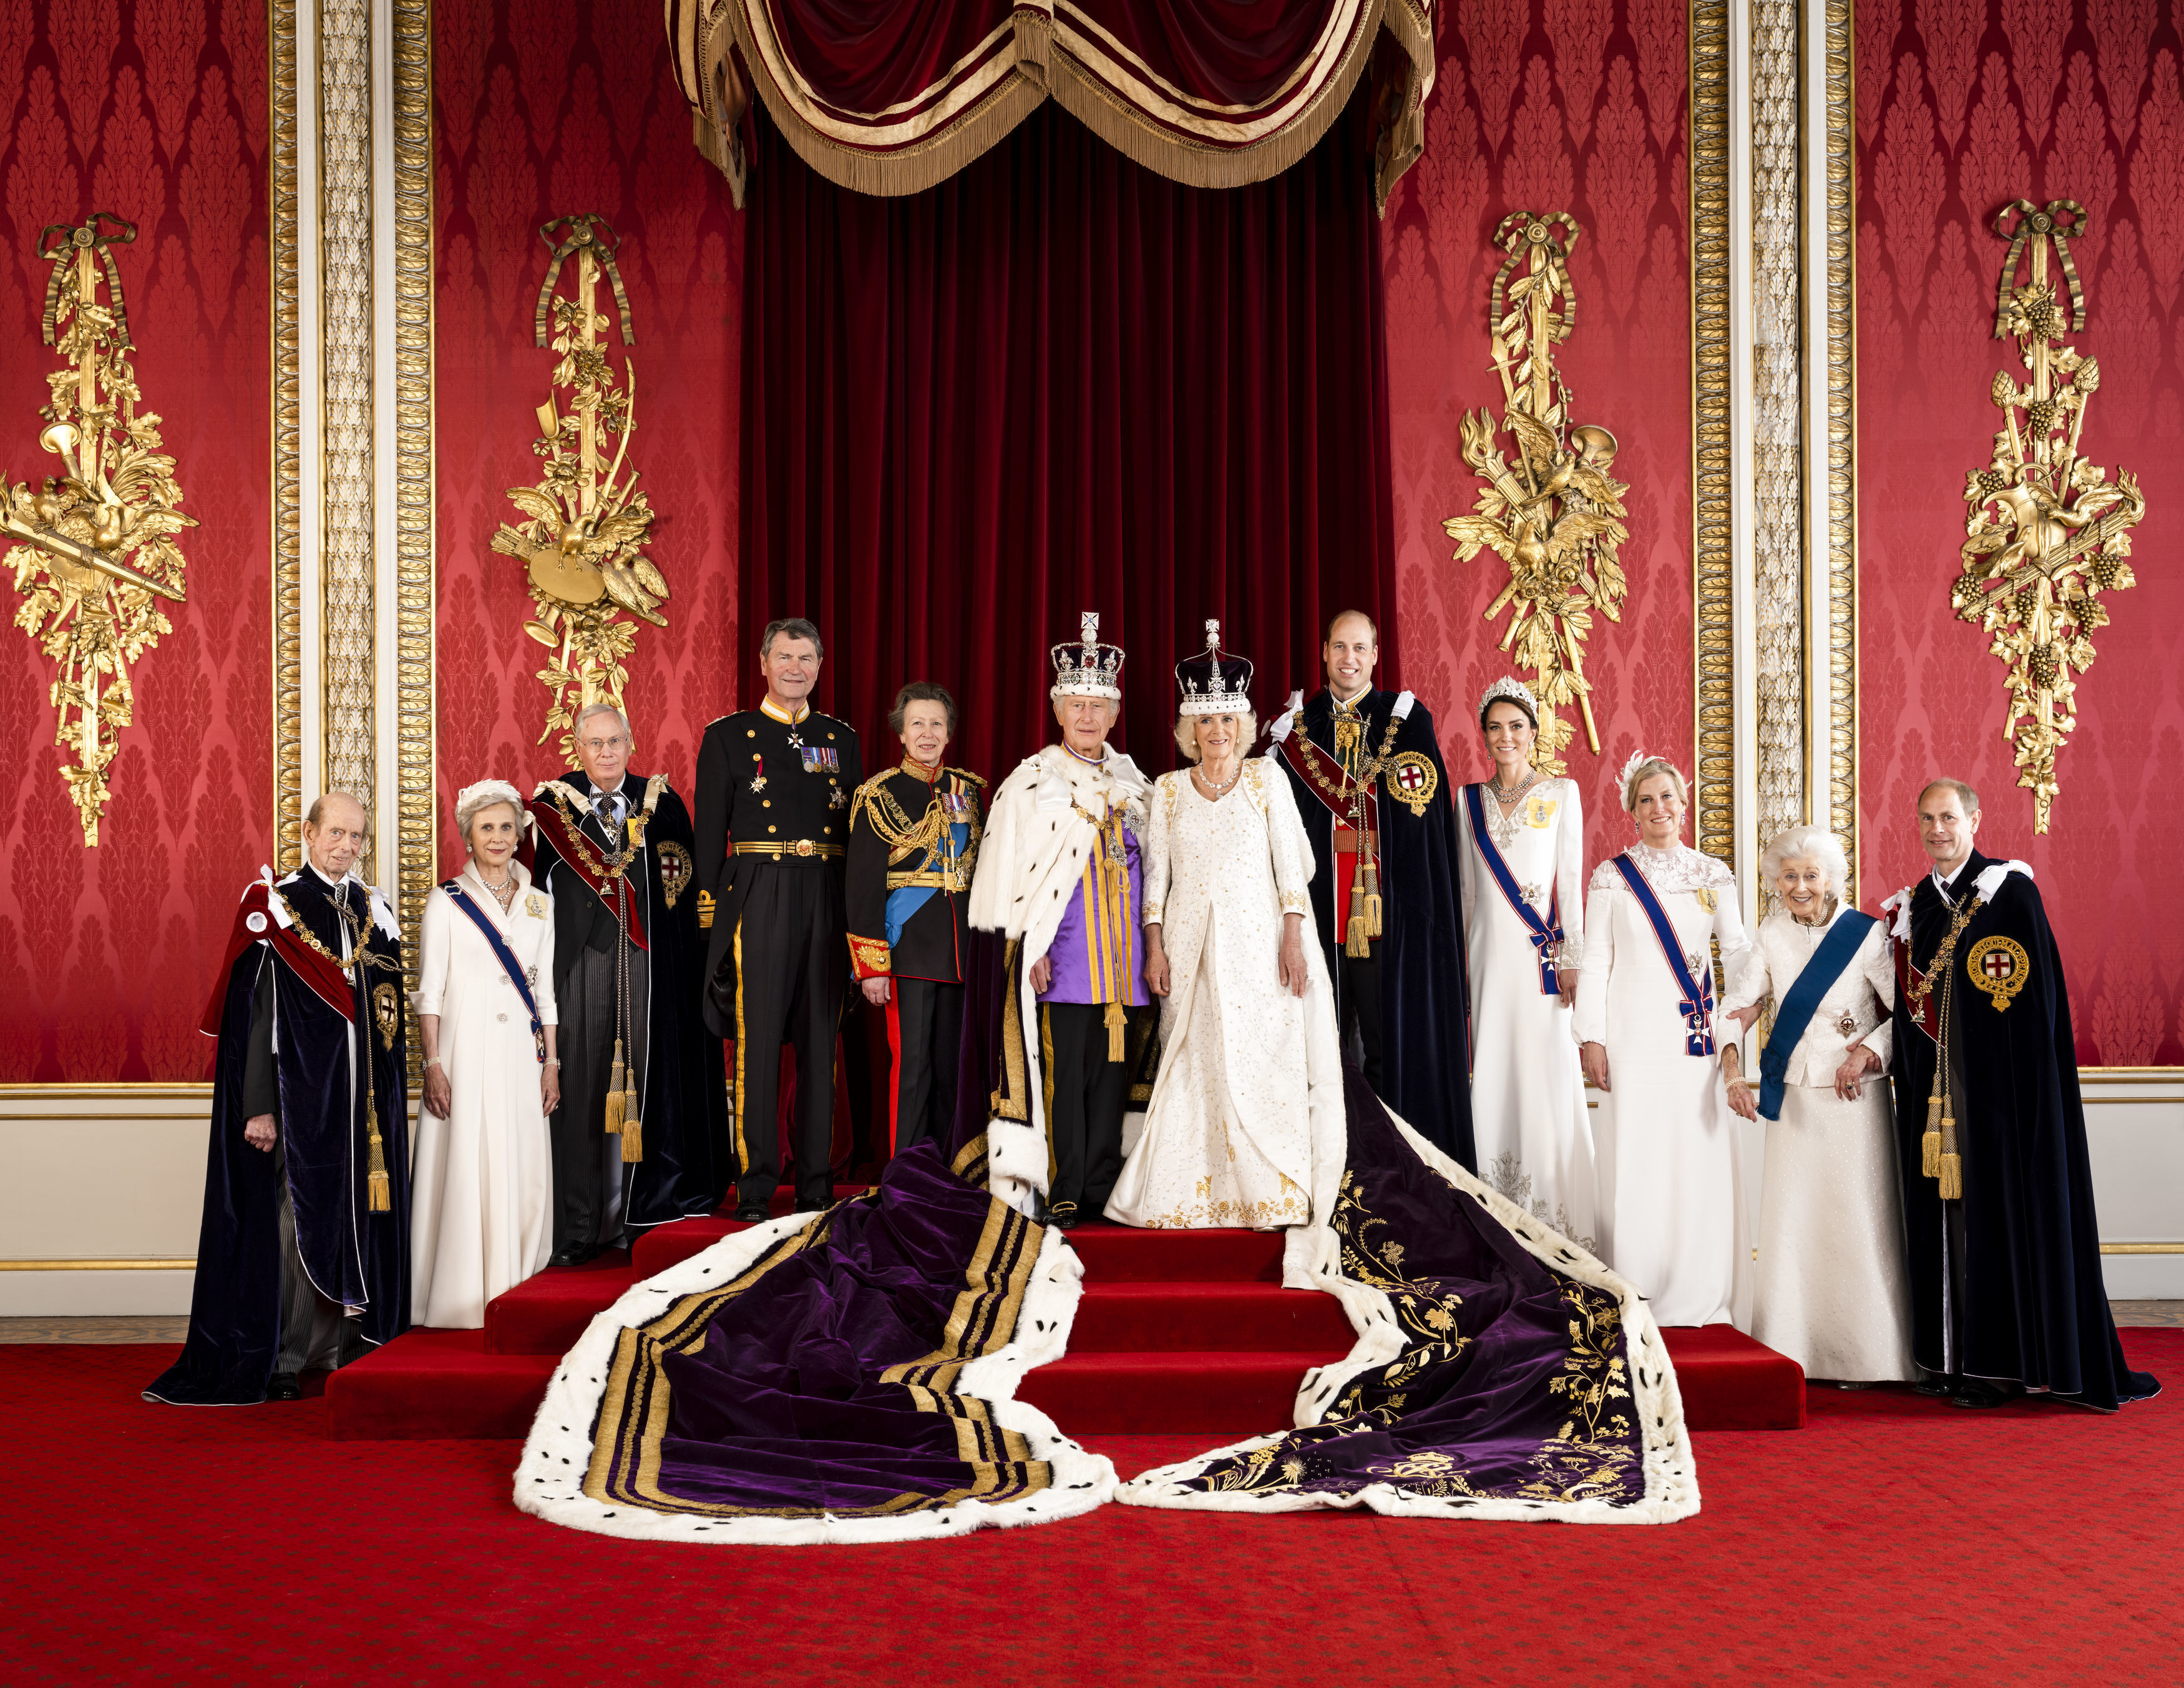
1522,873
1664,1143
481,1200
1245,1127
1830,1289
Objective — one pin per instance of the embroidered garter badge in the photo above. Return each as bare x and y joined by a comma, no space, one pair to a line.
1999,966
1413,780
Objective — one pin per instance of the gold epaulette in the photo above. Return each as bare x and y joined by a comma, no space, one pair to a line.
978,780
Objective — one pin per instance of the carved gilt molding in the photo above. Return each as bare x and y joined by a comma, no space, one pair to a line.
289,799
1713,785
1838,764
95,550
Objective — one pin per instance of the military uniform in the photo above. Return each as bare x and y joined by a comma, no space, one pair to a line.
913,845
773,822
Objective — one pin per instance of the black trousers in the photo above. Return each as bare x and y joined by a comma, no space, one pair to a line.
1358,985
791,957
586,1163
925,1035
1085,1096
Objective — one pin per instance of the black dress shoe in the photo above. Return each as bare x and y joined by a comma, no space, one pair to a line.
1978,1392
1062,1216
568,1256
751,1213
1937,1383
283,1386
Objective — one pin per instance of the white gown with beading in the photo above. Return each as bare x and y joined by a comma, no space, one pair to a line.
481,1201
1527,1114
1830,1288
1664,1141
1245,1127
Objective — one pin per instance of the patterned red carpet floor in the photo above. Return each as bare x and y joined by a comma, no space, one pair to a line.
1895,1540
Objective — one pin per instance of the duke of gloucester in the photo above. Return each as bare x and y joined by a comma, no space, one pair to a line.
641,1087
774,785
1059,876
1522,876
2007,1295
1671,1213
1828,1287
303,1252
914,834
1245,1124
1366,771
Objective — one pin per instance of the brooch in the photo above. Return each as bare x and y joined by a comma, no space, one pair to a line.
758,781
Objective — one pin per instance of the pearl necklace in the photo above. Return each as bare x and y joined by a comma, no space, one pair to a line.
1206,784
1505,797
503,893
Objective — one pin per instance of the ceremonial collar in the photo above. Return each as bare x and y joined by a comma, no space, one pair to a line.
319,874
767,706
915,770
599,790
1967,870
1352,705
1098,761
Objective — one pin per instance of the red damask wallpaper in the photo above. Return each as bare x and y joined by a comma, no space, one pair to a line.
1550,105
1963,105
545,108
154,110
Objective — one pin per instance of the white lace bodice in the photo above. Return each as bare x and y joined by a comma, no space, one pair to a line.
1680,868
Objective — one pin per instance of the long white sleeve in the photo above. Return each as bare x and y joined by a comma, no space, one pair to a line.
542,992
1569,876
1590,1019
1292,849
1754,982
1737,946
435,941
1155,864
1878,965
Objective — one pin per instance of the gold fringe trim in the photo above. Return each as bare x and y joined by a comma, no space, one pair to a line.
633,1132
1118,1022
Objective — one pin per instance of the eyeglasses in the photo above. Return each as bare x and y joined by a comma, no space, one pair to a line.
615,743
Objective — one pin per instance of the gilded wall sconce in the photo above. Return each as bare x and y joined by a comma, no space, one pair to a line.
2046,531
95,548
584,525
1554,514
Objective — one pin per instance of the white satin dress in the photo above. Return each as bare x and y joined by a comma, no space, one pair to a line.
1664,1141
1529,1118
481,1201
1830,1289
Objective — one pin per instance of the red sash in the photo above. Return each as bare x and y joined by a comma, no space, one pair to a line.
254,923
577,853
1919,1009
1322,777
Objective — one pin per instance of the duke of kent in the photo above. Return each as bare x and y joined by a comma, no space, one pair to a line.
642,1097
774,787
303,1250
1367,772
914,832
1059,876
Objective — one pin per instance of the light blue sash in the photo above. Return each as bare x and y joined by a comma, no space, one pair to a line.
1794,1012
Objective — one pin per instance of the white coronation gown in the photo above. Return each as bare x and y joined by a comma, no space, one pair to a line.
481,1202
1528,1113
1831,1288
1248,1071
1664,1141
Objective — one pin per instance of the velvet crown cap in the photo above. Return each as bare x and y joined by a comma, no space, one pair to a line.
1214,682
1088,669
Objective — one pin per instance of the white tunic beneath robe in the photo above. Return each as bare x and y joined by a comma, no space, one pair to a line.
481,1202
1529,1118
1830,1287
1664,1141
1249,1074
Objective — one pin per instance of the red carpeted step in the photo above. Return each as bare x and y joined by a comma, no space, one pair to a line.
436,1383
1223,1395
1731,1382
1225,1316
665,1245
546,1314
1118,1254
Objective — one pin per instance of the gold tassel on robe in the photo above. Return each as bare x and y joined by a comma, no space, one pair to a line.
632,1128
1372,900
1357,940
1952,1168
1116,1022
616,1080
379,1191
1930,1146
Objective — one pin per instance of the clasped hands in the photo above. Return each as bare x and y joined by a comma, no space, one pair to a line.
1294,977
1849,1079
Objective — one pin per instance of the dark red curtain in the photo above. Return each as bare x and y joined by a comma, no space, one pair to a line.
1055,382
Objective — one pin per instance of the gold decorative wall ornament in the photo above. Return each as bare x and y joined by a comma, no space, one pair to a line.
96,551
585,523
1556,515
2048,532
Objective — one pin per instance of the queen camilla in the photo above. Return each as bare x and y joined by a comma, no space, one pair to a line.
1245,1121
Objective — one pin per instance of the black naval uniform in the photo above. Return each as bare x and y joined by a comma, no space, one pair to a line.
773,820
913,845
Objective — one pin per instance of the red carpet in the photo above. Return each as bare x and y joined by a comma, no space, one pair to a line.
1896,1541
1188,1331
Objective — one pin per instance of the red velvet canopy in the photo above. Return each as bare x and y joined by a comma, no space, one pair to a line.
892,98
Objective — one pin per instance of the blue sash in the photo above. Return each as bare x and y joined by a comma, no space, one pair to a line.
1793,1011
905,901
1546,932
508,963
1698,1005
